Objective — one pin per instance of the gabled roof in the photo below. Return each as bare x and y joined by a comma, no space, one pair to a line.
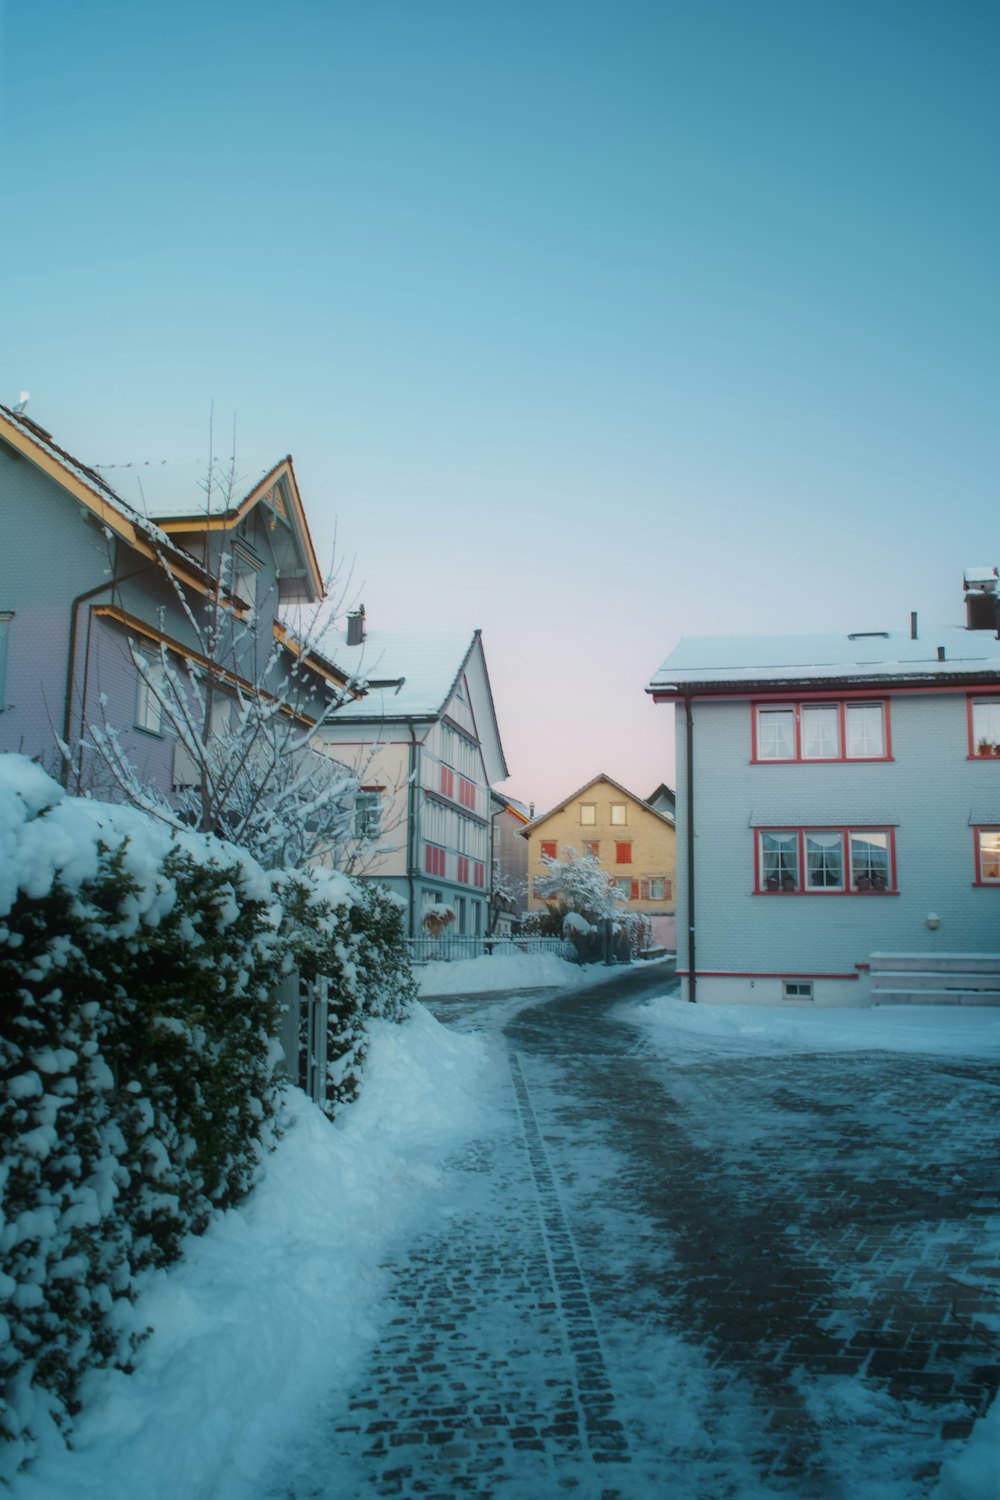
87,487
735,662
194,497
561,806
412,676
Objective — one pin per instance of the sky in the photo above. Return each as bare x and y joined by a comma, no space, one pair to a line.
590,325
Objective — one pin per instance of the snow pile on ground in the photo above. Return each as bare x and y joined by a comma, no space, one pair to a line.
957,1030
280,1296
950,1030
499,971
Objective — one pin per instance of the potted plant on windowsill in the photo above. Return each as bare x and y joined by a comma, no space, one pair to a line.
987,747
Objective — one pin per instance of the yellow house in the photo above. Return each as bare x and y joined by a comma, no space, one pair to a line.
634,843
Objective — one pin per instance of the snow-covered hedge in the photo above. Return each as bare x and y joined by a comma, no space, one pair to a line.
139,969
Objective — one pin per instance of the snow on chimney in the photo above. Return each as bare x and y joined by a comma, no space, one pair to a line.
982,598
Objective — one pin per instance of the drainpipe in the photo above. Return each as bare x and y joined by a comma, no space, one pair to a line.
689,752
411,822
74,625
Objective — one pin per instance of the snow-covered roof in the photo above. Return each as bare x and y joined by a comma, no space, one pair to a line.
169,490
408,675
861,656
101,488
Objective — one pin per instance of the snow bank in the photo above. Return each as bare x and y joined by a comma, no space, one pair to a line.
280,1296
942,1029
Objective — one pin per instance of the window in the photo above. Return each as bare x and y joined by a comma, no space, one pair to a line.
592,849
5,618
984,726
548,849
988,856
149,687
820,731
865,730
857,860
618,815
796,989
466,793
434,860
623,854
463,868
447,782
659,890
367,813
624,884
588,813
245,580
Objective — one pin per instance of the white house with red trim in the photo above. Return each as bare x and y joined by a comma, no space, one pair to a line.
426,747
838,812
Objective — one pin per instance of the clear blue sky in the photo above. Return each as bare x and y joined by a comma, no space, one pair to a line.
588,324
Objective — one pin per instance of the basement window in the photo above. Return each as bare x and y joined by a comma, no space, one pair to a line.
796,989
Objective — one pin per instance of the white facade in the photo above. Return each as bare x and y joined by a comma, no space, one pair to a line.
425,744
840,809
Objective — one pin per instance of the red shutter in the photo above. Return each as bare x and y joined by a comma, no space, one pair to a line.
548,849
623,854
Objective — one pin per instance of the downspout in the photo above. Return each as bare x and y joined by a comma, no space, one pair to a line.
689,754
74,618
411,823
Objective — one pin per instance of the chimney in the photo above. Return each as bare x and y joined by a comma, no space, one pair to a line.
913,624
982,599
356,627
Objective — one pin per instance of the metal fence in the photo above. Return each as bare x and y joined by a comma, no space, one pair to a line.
305,1010
425,950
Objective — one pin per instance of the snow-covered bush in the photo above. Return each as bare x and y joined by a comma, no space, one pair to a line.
139,968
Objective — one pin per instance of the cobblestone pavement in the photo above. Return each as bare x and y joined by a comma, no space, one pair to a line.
706,1277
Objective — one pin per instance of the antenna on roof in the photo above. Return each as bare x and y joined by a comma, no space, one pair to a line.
22,401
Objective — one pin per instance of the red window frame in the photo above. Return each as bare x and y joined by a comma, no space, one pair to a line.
981,879
548,849
820,701
623,852
845,830
974,754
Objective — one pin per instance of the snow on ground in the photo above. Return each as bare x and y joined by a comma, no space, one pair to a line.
951,1030
278,1300
505,971
956,1030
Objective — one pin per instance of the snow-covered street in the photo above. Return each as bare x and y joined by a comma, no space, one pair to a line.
592,1241
731,1269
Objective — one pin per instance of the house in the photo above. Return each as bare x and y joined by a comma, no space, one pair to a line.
664,801
839,810
103,568
631,840
510,861
425,746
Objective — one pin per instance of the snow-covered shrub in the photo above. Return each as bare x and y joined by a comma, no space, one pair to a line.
138,1065
352,934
